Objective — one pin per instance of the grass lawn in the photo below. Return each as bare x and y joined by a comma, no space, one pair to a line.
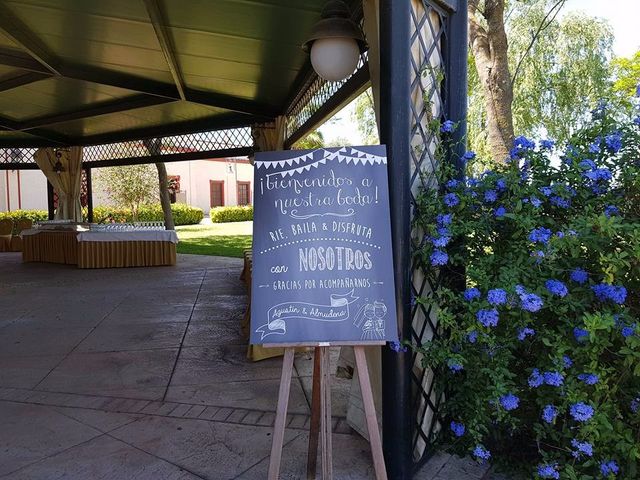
220,239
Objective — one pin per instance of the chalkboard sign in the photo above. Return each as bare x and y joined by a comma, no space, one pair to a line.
322,265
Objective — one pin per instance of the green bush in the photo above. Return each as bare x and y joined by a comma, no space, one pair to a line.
231,214
17,215
182,214
539,358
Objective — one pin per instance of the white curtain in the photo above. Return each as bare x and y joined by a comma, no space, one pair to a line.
67,183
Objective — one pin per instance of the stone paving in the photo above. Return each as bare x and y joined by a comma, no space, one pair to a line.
141,373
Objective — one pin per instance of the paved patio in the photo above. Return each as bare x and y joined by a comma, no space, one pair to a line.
141,373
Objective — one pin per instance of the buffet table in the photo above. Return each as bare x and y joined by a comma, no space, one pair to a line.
100,248
50,246
127,248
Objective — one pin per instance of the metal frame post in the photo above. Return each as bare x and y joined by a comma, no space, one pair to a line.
89,195
455,94
395,133
50,206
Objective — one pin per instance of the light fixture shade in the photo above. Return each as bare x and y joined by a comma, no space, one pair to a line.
334,59
335,43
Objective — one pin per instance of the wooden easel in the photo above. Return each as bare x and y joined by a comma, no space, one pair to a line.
321,409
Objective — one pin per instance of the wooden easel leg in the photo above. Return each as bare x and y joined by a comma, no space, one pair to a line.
281,414
370,413
314,428
325,413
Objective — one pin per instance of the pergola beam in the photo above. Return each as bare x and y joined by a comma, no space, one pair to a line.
20,80
166,45
105,108
51,137
12,27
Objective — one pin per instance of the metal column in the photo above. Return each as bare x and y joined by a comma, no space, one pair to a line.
89,195
50,205
395,134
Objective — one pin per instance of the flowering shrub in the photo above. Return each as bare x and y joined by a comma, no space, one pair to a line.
539,357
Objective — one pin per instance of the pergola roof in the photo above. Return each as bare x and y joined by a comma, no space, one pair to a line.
82,72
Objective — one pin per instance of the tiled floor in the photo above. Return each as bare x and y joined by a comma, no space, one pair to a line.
141,373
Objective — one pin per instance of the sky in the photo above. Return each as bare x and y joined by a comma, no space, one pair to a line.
622,15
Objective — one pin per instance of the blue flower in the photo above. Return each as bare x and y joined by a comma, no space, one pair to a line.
438,257
535,202
397,347
588,164
454,365
588,378
546,191
457,429
594,147
481,453
471,294
535,379
581,448
556,287
637,120
472,336
628,330
635,405
469,155
444,219
615,293
599,175
580,334
441,241
581,412
579,276
488,318
525,332
490,196
500,212
609,467
567,362
497,296
560,202
509,401
547,144
501,184
554,379
613,142
549,413
548,470
611,211
443,231
447,126
540,235
451,200
523,142
452,183
530,302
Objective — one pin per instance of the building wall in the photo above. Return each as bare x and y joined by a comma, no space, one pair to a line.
22,189
194,175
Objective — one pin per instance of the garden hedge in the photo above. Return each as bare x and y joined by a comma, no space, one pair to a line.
231,214
17,215
182,214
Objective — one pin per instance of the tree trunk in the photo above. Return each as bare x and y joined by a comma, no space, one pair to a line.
154,145
165,200
488,42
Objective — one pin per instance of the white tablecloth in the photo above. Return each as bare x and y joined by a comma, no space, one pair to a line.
129,236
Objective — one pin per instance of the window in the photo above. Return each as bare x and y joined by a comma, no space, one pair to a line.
244,193
216,188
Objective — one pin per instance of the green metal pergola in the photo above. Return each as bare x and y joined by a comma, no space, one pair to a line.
199,74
